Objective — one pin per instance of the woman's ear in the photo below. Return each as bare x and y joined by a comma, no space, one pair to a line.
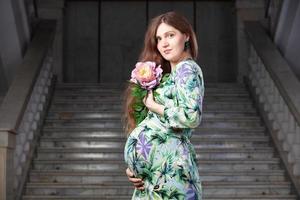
187,37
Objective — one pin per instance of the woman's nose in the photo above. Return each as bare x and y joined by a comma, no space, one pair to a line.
165,43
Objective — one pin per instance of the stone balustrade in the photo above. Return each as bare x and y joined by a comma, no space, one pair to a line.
276,89
278,111
31,124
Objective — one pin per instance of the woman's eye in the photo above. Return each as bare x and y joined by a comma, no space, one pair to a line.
171,35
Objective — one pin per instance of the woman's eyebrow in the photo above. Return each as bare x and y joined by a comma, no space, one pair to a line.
166,33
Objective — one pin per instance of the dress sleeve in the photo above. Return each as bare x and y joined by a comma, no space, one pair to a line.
187,109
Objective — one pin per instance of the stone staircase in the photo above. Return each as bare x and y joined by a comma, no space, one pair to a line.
80,155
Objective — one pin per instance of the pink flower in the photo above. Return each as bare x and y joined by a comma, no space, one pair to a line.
146,74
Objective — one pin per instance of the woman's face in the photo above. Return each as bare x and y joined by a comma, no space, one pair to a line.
170,43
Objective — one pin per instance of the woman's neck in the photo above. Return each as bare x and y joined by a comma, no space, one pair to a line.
185,56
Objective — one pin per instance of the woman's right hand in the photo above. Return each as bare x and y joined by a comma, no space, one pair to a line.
137,182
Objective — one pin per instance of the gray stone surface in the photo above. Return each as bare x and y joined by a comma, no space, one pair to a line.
184,7
55,9
11,46
246,10
287,35
216,31
123,26
81,43
3,81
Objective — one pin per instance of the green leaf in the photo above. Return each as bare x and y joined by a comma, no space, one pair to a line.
137,107
165,77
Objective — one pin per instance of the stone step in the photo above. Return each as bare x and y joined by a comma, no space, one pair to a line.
110,93
110,103
195,139
126,197
104,123
119,131
221,85
209,188
118,115
220,94
82,114
121,91
241,106
114,85
121,137
118,134
118,98
91,177
113,165
113,150
100,143
201,154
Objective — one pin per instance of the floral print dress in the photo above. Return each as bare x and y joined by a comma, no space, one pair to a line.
158,150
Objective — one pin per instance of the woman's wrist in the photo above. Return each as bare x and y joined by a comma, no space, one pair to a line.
157,108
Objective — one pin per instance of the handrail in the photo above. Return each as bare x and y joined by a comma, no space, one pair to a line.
22,110
285,80
275,89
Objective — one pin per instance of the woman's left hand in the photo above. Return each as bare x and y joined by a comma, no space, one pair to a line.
152,105
149,100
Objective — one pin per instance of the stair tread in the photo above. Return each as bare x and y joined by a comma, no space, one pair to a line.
98,150
122,173
122,140
108,161
202,129
119,111
88,117
113,184
105,197
99,120
83,197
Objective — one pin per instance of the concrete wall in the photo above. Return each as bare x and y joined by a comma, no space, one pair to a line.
216,31
246,10
121,31
287,36
81,45
3,81
15,36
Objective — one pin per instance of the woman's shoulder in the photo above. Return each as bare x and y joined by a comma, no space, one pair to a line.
188,64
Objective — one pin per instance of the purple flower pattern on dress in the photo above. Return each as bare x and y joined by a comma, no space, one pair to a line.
183,72
190,194
143,147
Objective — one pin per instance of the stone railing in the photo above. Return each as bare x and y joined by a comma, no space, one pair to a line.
23,109
277,91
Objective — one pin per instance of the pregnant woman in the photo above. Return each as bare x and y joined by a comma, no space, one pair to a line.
161,160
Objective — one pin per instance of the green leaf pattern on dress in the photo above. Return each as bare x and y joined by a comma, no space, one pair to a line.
169,170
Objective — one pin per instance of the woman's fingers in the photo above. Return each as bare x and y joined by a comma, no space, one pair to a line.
137,182
129,173
140,188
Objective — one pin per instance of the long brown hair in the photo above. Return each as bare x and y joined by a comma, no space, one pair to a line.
151,53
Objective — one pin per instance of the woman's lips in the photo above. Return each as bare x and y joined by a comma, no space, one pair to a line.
167,51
